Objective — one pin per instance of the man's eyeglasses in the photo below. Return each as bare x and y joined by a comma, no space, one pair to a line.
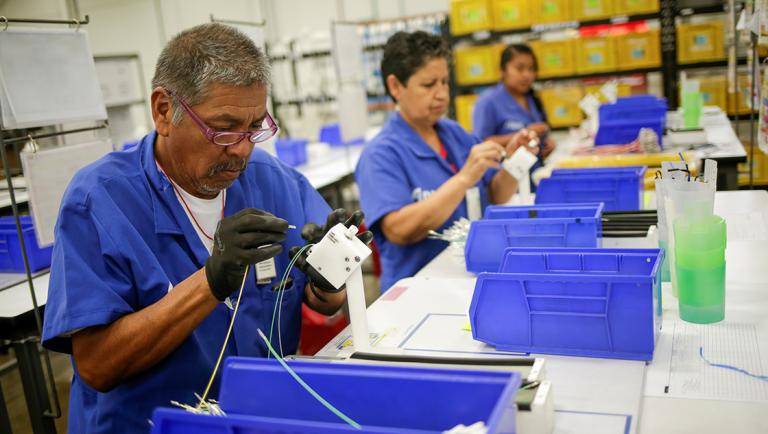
228,138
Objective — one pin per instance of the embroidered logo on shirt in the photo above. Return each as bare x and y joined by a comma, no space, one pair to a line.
513,125
418,194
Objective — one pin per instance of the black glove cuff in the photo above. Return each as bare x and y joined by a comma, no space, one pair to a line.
321,283
215,286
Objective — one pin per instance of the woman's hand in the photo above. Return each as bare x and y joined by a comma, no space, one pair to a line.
481,157
541,128
523,138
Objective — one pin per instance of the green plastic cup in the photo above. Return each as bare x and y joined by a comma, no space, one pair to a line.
665,274
700,266
693,103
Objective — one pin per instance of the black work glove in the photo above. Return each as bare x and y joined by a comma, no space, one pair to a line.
248,237
313,233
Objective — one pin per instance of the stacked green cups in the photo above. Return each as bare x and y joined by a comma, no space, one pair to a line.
700,268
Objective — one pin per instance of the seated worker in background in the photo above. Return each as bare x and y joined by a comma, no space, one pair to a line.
423,172
151,242
511,105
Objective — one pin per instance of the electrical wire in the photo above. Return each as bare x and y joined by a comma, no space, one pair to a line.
279,299
307,387
226,341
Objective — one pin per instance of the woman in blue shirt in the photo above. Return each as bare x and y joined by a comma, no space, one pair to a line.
511,105
423,172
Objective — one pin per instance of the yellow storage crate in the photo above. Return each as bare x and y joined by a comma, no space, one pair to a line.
511,14
714,90
759,171
742,97
477,65
700,42
555,58
622,89
651,160
634,7
584,10
595,54
562,105
469,16
551,11
464,106
639,50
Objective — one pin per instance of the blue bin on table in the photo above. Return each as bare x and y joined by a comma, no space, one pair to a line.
331,134
258,395
11,259
555,225
619,188
292,152
621,122
575,302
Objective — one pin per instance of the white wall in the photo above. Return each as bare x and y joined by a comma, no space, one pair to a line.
143,26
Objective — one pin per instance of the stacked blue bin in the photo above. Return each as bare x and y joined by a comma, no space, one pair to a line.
571,301
11,259
258,395
618,188
556,225
331,134
621,122
292,152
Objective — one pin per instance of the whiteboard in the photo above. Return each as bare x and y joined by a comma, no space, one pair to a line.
47,77
120,80
47,173
347,52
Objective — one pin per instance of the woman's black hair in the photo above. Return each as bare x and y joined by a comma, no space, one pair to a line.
508,54
513,50
405,53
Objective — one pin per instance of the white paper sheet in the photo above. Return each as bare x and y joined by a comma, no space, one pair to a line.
47,77
47,173
689,376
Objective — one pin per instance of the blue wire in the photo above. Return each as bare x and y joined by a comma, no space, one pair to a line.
730,367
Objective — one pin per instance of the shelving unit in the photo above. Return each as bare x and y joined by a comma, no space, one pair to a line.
668,16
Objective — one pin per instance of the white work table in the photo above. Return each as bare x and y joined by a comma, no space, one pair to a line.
427,314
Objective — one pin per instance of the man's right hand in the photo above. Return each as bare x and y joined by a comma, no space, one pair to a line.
248,237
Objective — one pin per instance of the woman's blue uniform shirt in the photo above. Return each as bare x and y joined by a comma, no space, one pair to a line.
122,239
398,168
497,112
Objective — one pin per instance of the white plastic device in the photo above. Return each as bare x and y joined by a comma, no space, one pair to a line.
518,166
338,257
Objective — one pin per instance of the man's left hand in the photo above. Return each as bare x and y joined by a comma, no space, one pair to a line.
313,233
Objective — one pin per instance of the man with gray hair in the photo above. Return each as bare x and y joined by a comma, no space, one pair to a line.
152,242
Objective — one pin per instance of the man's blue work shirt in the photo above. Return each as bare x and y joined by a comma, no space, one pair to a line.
497,113
123,240
398,168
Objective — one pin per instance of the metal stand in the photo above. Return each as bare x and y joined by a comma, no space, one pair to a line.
668,9
35,389
33,379
5,423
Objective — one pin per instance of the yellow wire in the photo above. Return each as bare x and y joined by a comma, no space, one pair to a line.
226,340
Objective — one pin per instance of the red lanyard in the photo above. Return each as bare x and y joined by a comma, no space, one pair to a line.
191,214
444,153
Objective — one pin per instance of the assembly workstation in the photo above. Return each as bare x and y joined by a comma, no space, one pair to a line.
457,216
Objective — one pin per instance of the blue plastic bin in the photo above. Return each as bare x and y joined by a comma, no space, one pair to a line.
577,302
292,152
562,225
11,259
331,134
260,396
620,123
619,188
